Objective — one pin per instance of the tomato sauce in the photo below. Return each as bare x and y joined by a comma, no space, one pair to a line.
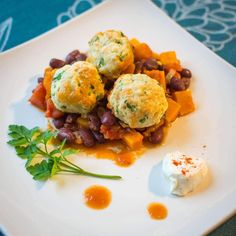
115,151
97,197
157,211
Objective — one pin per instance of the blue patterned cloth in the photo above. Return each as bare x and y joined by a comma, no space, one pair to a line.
213,22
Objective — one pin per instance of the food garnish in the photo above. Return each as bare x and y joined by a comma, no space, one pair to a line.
44,160
120,91
184,173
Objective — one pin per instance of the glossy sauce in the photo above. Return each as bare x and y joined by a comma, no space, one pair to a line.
97,197
115,151
157,211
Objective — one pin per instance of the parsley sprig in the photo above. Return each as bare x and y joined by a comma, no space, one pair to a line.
43,161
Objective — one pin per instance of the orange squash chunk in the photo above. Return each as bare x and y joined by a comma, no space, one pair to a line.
133,140
38,97
52,111
134,42
47,80
142,51
175,66
172,111
83,122
169,59
130,69
156,56
157,75
185,100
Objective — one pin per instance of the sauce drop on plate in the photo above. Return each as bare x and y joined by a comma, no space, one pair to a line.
125,159
97,197
115,151
157,211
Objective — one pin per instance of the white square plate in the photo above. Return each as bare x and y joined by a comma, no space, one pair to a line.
56,207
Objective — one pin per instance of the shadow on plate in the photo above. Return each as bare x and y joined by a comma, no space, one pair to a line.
26,114
158,184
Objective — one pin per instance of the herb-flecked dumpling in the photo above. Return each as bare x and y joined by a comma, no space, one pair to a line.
110,52
138,100
77,88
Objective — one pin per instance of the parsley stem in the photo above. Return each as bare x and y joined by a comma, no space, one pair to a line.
43,153
77,170
72,164
45,146
33,143
86,173
69,167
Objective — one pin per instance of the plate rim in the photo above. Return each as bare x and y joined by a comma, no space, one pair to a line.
99,5
208,227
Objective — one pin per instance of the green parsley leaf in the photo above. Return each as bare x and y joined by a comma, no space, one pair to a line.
68,152
32,143
59,76
131,107
41,171
142,120
122,57
101,62
17,142
94,39
54,152
55,168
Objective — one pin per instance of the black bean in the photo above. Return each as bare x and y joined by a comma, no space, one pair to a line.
56,63
58,123
87,137
40,79
108,118
166,69
103,102
177,84
71,126
71,57
186,73
141,129
75,56
67,134
186,82
81,57
150,64
100,111
71,118
138,67
98,136
160,67
109,84
94,122
156,136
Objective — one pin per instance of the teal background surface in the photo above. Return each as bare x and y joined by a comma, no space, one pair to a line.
213,22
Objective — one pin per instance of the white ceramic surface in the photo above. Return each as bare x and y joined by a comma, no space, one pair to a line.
56,207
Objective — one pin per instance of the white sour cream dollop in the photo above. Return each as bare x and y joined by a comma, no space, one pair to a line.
184,172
